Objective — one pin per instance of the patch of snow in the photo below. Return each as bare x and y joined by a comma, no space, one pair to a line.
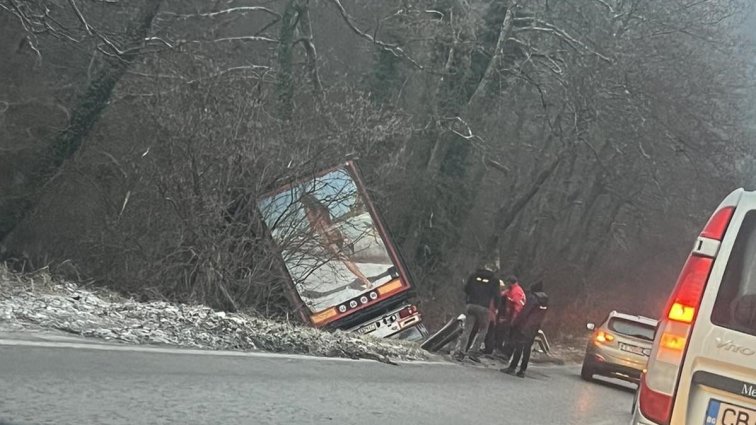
37,300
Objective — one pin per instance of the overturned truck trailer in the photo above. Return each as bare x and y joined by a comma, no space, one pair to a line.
342,266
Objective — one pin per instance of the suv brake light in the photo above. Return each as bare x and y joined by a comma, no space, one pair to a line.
604,337
659,382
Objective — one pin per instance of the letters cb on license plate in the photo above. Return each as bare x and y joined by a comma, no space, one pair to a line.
721,413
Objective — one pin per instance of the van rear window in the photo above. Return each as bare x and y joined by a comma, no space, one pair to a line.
735,306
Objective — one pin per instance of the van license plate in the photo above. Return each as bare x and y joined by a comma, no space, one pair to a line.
720,413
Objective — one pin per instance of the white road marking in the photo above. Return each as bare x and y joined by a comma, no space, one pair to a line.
160,350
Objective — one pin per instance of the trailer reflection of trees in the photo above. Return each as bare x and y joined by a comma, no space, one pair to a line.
330,237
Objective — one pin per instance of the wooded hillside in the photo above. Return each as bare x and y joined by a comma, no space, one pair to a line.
578,142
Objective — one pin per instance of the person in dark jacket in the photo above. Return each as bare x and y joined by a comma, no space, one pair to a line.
481,293
525,328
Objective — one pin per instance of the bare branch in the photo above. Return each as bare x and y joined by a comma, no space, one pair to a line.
606,5
393,48
80,16
247,38
159,40
542,26
240,10
642,150
497,165
240,38
435,12
466,133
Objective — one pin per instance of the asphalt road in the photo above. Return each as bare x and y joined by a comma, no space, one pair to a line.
80,385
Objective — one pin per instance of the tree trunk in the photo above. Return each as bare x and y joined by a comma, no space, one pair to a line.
285,80
305,30
504,33
507,215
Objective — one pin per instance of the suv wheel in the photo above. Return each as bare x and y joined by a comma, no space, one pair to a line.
586,372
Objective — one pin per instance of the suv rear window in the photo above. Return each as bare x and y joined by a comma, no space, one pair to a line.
735,306
630,328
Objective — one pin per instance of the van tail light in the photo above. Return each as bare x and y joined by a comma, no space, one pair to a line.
654,405
659,383
717,225
682,306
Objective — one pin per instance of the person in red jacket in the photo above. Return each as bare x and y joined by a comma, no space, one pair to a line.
513,300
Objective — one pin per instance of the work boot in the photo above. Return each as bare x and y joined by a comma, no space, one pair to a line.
474,357
458,356
508,370
521,374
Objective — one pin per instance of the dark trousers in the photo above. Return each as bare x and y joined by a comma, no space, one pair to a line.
498,334
509,348
490,342
522,347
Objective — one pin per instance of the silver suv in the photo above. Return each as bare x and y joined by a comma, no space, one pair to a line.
619,347
702,368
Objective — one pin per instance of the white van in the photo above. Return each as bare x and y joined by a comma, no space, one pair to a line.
702,368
